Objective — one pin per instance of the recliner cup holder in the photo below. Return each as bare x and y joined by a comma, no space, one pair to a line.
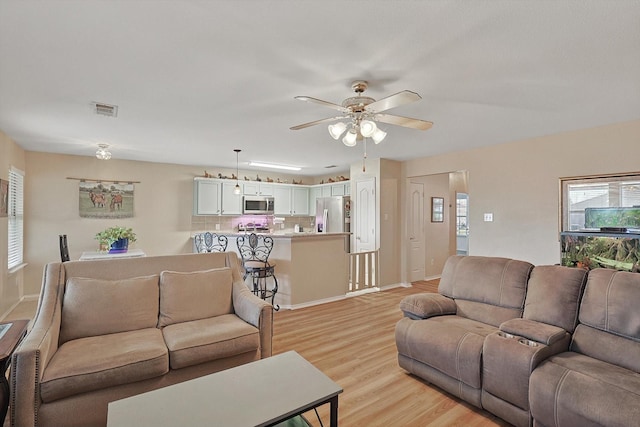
528,343
505,335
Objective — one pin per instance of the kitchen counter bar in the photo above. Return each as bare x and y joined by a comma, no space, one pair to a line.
310,267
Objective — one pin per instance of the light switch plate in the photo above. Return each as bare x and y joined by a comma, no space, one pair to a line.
488,217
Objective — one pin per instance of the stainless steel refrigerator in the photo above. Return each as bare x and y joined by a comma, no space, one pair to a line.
333,215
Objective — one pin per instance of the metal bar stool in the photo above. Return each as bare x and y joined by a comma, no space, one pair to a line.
255,250
210,242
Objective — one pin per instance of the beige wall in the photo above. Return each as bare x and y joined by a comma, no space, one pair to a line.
518,183
10,283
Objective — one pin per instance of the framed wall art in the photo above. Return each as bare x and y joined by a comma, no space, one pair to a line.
4,197
437,209
105,200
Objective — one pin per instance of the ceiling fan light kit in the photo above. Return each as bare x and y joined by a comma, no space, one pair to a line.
364,112
351,138
337,130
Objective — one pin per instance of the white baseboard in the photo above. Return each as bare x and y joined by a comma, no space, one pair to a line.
432,277
24,298
311,303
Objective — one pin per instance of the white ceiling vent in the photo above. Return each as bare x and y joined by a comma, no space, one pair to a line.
105,109
330,167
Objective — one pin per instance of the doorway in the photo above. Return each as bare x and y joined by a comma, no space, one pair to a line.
432,238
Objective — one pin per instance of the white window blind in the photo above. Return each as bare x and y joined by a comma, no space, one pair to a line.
16,217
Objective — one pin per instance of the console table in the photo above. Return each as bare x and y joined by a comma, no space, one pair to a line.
93,255
11,333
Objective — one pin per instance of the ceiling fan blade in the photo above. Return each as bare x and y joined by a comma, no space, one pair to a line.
317,122
392,101
324,103
403,121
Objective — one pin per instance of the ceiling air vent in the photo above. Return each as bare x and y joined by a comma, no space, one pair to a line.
330,166
105,109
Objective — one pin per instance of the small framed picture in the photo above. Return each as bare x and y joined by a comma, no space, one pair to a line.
437,209
4,197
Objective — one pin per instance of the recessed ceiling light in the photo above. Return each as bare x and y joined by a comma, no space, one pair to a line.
274,166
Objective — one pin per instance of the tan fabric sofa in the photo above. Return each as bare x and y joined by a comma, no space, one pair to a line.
547,346
108,329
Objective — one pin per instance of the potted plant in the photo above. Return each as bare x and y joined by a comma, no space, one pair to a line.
116,239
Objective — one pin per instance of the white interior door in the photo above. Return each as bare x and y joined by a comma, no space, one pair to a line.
416,231
365,221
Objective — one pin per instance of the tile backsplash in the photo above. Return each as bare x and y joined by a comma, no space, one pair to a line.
230,223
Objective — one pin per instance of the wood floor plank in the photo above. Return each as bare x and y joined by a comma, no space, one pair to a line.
353,342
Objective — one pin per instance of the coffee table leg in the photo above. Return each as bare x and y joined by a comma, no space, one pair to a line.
334,412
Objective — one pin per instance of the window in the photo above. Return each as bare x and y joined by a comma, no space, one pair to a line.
587,202
16,217
462,214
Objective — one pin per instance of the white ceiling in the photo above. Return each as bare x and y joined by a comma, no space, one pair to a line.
195,79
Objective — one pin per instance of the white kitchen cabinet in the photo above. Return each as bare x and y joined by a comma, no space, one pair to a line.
326,190
215,197
314,193
340,189
282,200
300,201
291,200
231,202
258,189
207,197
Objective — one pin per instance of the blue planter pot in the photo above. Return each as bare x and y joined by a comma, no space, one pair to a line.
119,246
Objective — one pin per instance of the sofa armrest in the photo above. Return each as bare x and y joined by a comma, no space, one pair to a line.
534,331
423,306
256,312
33,354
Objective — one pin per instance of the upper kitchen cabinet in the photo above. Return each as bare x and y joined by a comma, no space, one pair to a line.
207,197
291,200
258,189
231,202
215,197
341,189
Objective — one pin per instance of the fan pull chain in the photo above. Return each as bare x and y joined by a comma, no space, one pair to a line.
364,158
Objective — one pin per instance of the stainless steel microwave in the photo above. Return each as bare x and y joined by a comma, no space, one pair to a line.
260,205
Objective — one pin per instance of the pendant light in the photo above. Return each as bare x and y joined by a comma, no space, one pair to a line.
237,189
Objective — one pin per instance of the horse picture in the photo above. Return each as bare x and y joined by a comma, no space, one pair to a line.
105,200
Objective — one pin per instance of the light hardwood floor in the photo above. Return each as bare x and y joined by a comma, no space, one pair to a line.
353,342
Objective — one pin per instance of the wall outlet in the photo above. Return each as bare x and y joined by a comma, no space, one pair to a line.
217,226
488,217
282,226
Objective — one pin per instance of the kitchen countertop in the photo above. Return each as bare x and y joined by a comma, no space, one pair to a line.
277,234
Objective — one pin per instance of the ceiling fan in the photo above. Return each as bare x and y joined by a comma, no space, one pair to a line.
362,112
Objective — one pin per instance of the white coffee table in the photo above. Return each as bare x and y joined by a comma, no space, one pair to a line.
261,393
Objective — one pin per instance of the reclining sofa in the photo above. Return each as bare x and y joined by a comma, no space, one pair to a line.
547,346
109,329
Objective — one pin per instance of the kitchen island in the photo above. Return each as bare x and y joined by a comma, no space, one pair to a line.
311,268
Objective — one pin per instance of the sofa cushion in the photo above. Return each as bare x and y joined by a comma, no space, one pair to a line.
553,295
610,303
478,284
209,339
94,363
450,344
571,389
194,295
93,307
